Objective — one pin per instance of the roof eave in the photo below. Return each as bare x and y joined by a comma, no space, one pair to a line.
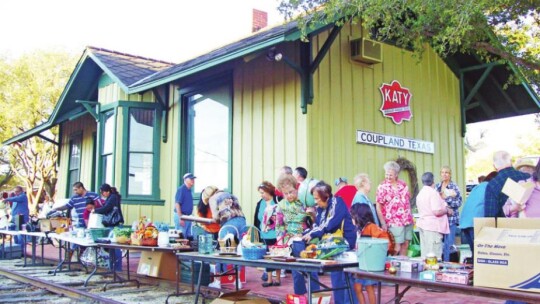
207,64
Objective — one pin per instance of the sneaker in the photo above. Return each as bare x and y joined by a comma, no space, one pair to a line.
283,275
273,274
215,284
264,277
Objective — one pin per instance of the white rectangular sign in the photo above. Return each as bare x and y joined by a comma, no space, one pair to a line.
377,139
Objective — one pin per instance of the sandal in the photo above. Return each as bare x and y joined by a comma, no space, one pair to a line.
276,283
266,284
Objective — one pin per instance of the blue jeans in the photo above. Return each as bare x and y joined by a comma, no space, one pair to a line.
449,240
338,280
186,229
299,281
467,237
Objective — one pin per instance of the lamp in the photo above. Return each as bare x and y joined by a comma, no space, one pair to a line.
273,55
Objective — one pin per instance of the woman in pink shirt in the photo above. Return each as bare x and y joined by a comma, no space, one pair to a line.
531,208
393,202
433,220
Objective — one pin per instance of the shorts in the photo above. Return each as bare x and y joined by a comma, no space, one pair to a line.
402,233
365,282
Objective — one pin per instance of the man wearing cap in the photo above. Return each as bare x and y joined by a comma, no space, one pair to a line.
345,191
184,204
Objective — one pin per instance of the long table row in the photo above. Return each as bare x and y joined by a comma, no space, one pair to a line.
306,268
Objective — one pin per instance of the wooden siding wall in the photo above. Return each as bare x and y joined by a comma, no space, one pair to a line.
269,129
85,125
347,98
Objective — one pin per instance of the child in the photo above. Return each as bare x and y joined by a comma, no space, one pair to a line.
362,218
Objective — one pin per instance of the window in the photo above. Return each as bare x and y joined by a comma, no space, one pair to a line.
74,162
141,151
107,156
209,136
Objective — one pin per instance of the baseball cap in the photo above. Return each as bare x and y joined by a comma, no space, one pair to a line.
189,175
340,180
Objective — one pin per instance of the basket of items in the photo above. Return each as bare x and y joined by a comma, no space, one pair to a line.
146,234
252,247
122,235
228,241
330,247
97,233
280,249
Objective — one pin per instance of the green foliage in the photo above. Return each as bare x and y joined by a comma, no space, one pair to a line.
448,26
29,89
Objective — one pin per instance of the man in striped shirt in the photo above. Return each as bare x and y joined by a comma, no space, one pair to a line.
78,202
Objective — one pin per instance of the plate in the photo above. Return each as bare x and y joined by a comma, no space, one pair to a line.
231,254
269,256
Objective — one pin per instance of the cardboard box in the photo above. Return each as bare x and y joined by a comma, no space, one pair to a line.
428,275
237,297
231,278
158,264
459,276
518,192
506,251
321,297
406,264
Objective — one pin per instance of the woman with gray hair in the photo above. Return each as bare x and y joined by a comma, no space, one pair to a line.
393,202
433,221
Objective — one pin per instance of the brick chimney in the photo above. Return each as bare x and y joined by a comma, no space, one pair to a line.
260,20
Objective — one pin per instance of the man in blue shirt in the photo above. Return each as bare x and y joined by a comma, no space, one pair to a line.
19,206
78,202
494,198
183,204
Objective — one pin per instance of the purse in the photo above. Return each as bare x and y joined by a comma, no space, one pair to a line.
113,218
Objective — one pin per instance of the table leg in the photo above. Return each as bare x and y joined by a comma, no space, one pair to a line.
309,287
60,260
198,283
349,287
379,290
237,275
33,238
23,248
93,271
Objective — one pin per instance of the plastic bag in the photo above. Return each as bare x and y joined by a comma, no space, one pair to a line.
414,247
88,257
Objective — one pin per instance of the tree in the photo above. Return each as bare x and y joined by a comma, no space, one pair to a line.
493,29
29,89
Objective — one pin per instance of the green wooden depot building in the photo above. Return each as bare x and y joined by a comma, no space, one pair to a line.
337,105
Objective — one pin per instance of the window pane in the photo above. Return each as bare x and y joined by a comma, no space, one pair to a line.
140,174
141,130
75,153
108,133
107,169
209,116
73,177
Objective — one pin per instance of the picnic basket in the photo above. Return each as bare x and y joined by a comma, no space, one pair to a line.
257,250
227,246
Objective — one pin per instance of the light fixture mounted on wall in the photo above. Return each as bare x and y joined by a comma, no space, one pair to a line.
273,55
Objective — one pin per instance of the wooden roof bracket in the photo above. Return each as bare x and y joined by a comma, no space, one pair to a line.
308,65
465,100
164,102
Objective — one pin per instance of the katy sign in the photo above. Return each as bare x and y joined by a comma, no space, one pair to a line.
396,102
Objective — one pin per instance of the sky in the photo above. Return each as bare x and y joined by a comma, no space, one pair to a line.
170,30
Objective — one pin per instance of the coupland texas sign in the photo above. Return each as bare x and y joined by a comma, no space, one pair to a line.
390,141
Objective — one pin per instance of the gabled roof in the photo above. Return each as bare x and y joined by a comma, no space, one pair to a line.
83,83
124,68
